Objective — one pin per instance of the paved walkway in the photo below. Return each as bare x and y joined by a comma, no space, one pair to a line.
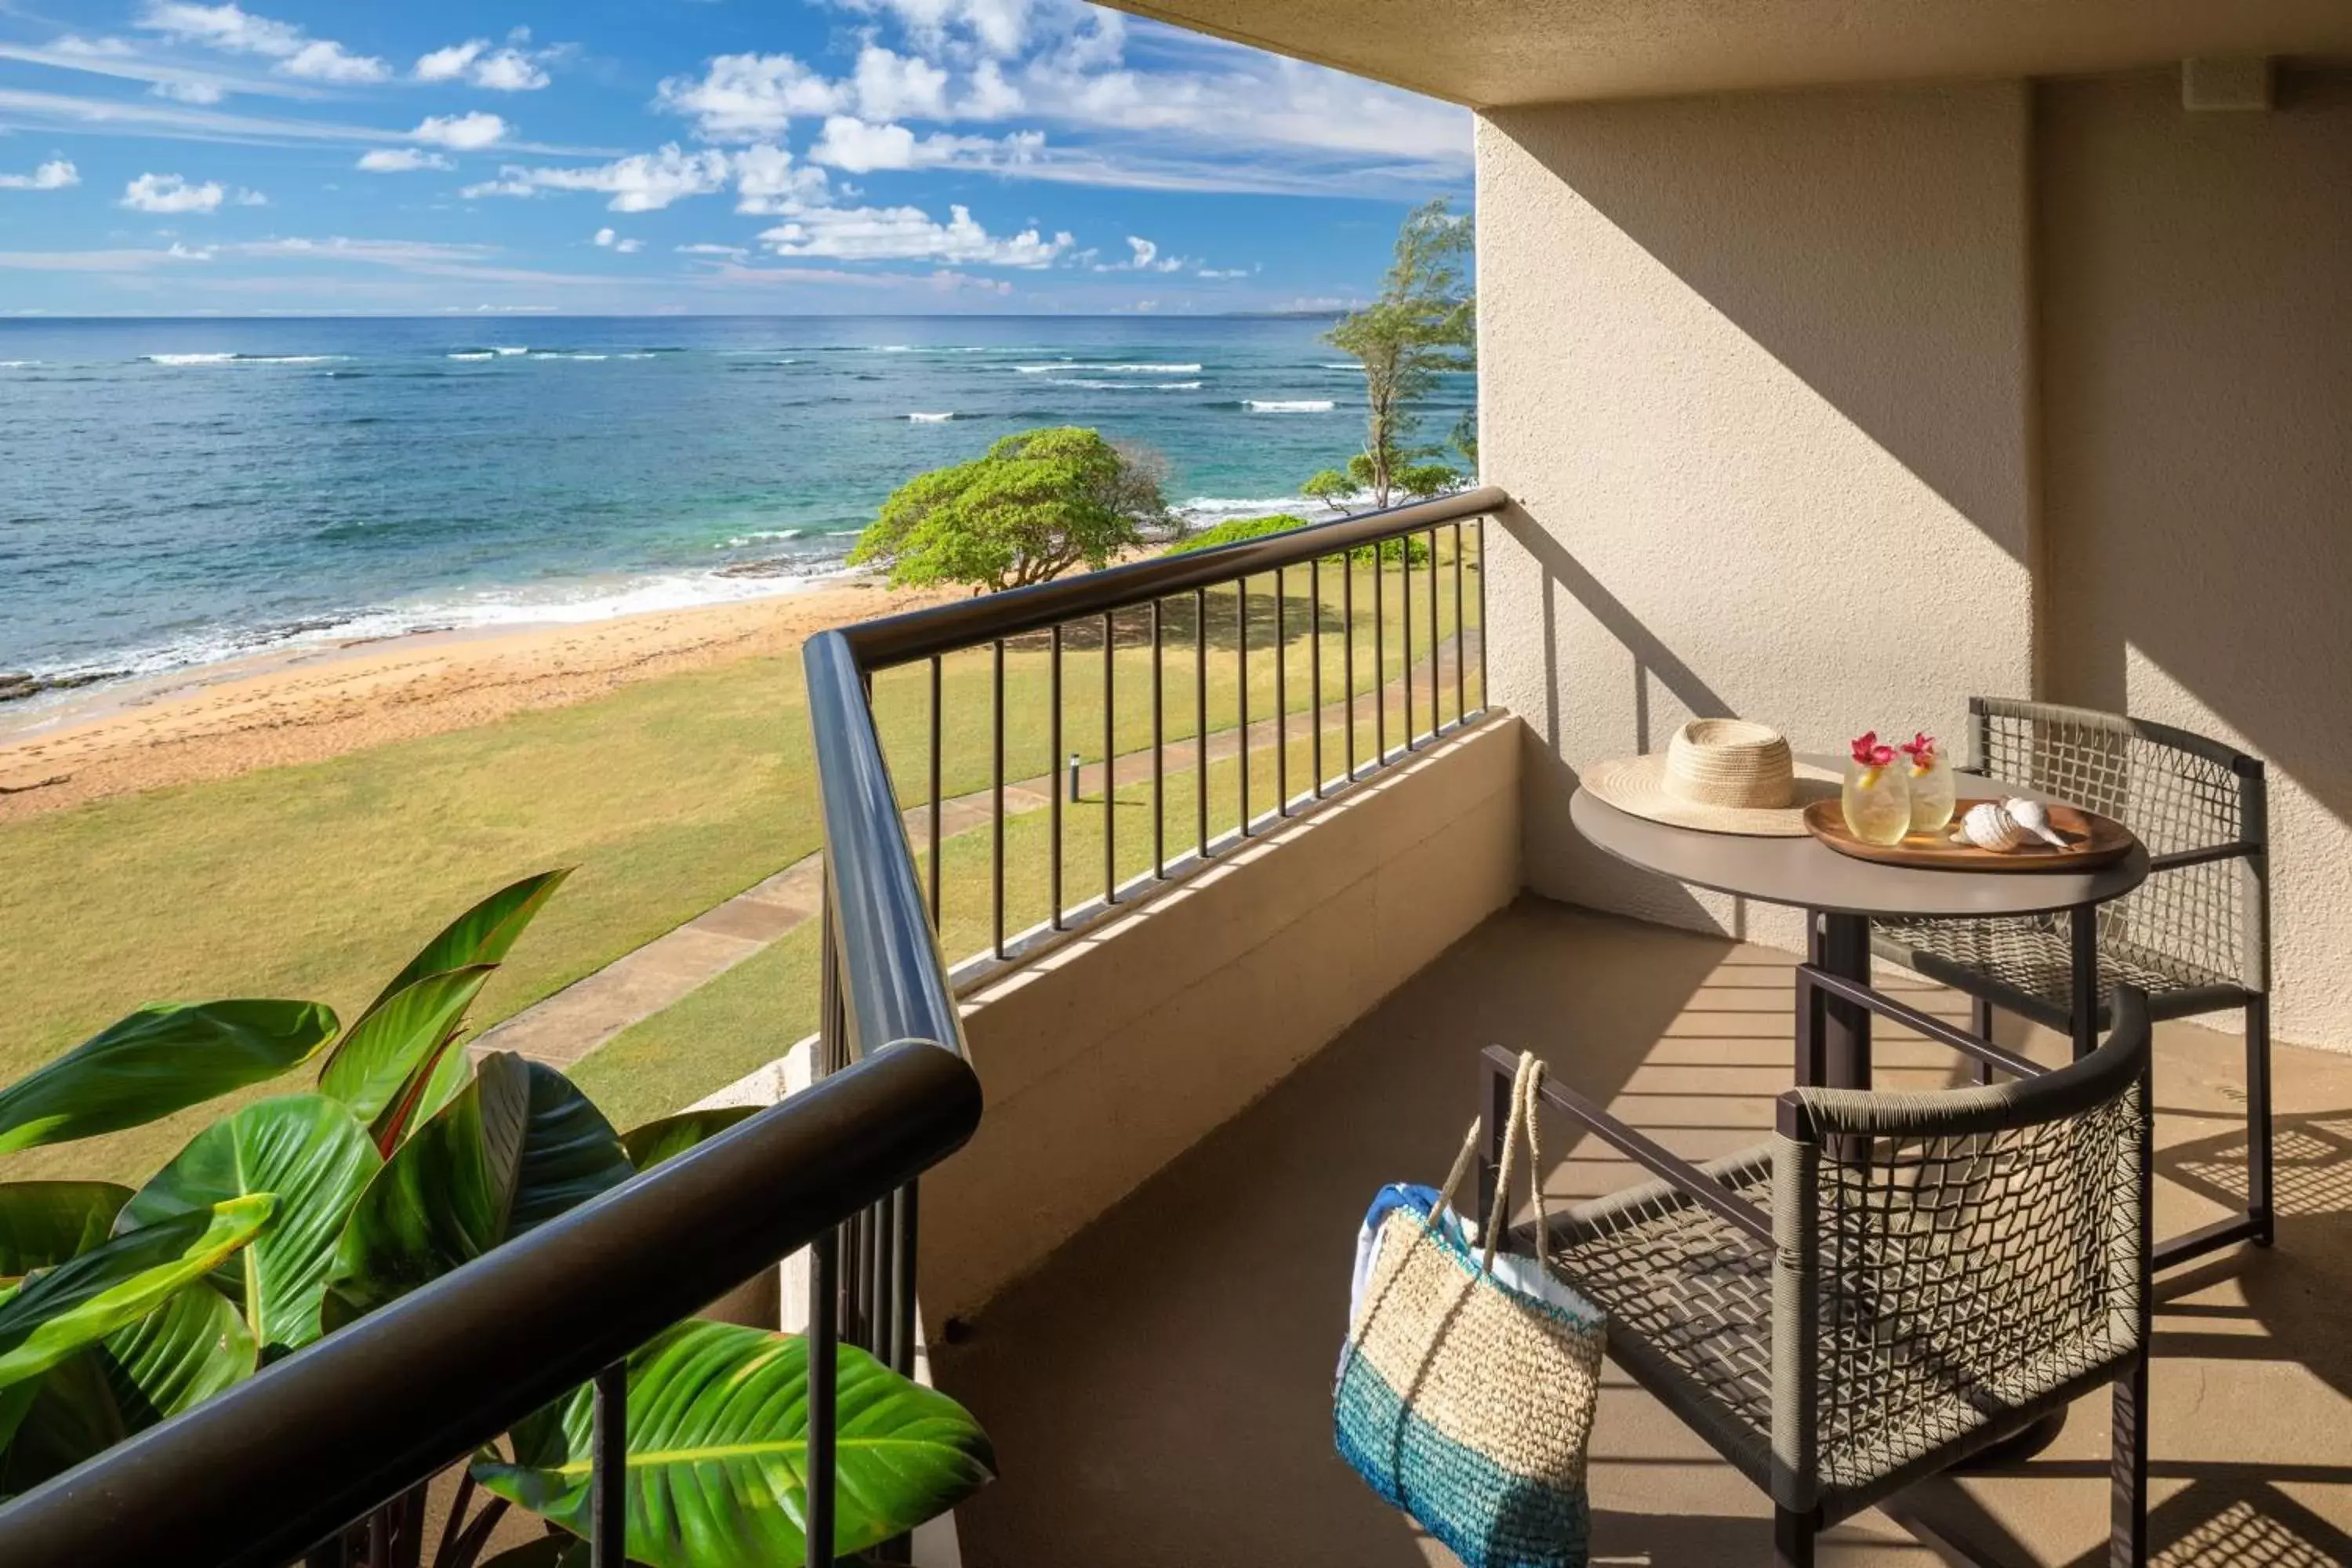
589,1011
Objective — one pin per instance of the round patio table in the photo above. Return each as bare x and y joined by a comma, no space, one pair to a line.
1842,894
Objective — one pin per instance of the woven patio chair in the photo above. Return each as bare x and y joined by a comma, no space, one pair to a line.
1893,1282
2195,936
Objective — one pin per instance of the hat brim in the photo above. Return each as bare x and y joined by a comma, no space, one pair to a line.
1638,785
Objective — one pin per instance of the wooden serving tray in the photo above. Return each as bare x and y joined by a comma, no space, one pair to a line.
2091,840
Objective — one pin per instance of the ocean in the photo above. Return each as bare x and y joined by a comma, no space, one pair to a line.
178,492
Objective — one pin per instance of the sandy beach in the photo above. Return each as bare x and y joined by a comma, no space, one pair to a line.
308,702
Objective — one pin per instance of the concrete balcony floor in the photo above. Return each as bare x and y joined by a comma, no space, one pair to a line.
1159,1390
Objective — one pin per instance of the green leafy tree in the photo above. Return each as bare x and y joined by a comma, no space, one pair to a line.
1237,530
1028,509
1423,326
293,1216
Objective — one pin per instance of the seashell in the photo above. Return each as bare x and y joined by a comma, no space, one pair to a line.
2035,817
1989,826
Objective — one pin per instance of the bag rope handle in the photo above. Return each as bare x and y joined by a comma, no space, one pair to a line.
1527,1087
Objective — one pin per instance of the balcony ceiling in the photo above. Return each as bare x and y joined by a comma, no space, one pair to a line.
1493,53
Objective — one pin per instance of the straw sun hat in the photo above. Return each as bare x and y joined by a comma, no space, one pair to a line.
1720,775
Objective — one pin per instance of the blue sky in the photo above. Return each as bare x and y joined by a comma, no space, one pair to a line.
725,156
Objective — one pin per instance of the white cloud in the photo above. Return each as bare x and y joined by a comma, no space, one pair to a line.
233,30
468,132
54,175
643,182
322,60
171,193
736,252
750,97
999,27
607,240
1143,256
894,87
907,234
851,144
474,61
1216,272
251,199
768,180
401,161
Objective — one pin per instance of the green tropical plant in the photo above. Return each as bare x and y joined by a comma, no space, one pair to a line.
291,1217
1423,325
1028,509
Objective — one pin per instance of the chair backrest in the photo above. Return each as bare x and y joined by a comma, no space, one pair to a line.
1946,1260
2177,792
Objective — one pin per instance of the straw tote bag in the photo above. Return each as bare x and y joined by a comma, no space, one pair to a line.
1467,1388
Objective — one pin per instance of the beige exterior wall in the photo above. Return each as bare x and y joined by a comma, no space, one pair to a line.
1107,1058
1756,370
2059,357
2197,309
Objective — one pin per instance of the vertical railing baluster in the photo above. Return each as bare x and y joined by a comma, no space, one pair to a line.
1461,647
1241,631
1111,759
1053,769
1405,615
1159,746
608,1477
1201,714
1348,650
1315,667
824,1296
1485,692
938,852
996,793
902,1279
1379,661
1436,715
1281,695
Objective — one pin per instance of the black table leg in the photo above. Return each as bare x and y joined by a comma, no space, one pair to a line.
1839,1049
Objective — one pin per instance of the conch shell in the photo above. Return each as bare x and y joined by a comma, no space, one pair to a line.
1989,826
2035,817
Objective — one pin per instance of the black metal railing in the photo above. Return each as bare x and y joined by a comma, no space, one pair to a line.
885,968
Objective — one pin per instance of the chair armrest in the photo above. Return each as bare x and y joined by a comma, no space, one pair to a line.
1678,1172
2235,850
1810,980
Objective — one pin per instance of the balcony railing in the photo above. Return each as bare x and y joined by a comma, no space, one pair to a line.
275,1469
886,978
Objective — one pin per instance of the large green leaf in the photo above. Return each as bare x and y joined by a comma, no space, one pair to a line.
370,1063
671,1136
482,934
177,1356
433,1085
719,1451
162,1058
110,1287
515,1147
42,1224
314,1154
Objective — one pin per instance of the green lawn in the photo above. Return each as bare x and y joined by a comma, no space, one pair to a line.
669,797
751,1014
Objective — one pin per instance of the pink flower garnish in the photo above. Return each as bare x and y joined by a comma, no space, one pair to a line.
1921,749
1869,753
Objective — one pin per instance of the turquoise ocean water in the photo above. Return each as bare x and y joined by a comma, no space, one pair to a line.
174,492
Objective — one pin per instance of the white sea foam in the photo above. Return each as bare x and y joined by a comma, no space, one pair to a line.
18,363
1343,364
482,353
504,353
1111,369
187,359
1207,511
760,536
930,419
1176,386
1288,406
